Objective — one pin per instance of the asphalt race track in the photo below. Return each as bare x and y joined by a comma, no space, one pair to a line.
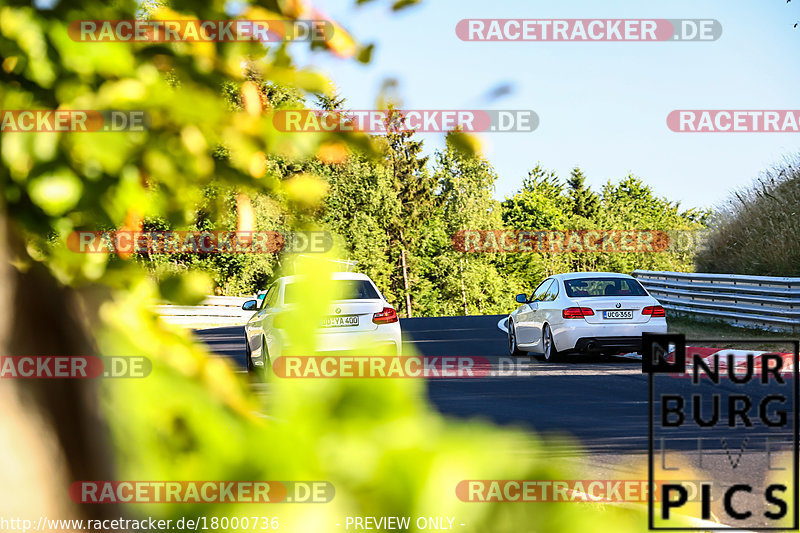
601,402
541,398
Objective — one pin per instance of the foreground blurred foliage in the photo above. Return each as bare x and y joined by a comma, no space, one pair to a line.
212,151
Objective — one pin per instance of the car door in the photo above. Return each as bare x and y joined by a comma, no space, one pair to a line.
273,307
255,326
546,312
525,320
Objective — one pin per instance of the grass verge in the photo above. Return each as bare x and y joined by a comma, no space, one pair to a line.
726,333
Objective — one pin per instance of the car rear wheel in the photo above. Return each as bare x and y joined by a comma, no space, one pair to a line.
259,372
512,340
264,370
550,352
247,360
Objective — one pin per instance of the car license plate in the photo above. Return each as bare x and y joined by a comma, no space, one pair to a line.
340,321
618,314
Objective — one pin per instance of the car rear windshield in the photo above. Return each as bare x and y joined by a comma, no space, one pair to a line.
589,287
345,289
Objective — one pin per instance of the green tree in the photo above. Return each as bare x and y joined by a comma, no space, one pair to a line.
415,190
468,283
632,205
360,204
330,102
540,205
585,202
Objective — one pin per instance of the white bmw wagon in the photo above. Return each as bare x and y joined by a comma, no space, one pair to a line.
586,312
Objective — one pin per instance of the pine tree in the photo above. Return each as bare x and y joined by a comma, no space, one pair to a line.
416,191
585,202
334,102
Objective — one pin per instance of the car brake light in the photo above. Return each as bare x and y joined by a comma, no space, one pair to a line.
654,310
577,312
387,316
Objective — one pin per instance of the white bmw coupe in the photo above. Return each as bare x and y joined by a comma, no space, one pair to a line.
589,312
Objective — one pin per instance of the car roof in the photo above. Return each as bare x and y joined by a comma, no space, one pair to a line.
334,275
578,275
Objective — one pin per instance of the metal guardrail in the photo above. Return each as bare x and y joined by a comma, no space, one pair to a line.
760,301
213,311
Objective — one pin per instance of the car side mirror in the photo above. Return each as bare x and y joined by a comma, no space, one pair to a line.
250,305
521,298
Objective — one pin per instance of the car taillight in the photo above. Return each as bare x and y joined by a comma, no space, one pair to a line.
387,316
577,312
654,310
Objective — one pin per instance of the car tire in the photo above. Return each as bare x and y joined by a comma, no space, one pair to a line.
263,371
248,362
258,372
512,340
551,355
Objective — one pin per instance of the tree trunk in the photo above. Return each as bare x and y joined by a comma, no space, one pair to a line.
405,282
40,317
463,289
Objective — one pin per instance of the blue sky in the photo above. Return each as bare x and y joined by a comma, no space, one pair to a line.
603,105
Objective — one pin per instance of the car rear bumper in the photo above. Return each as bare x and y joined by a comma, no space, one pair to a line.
386,339
609,344
608,338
